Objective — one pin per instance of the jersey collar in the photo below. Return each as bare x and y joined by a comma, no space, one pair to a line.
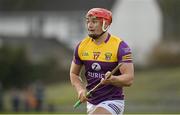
107,39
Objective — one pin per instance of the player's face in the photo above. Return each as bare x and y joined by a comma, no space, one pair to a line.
94,26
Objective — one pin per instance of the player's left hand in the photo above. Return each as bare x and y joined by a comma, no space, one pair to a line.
82,95
105,80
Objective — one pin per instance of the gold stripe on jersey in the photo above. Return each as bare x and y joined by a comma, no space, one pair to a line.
127,57
105,52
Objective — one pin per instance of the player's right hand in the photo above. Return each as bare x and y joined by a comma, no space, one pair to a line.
82,95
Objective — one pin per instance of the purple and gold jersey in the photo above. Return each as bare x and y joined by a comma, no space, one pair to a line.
98,59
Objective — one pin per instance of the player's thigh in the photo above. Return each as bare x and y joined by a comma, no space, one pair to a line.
100,110
115,107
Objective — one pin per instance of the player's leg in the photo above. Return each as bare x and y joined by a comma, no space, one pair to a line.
101,110
92,109
110,107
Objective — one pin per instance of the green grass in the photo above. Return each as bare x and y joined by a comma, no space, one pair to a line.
157,84
153,91
62,93
63,96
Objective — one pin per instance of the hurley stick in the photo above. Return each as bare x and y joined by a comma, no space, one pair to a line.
89,92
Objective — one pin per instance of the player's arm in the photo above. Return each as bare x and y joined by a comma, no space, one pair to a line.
127,68
126,77
76,82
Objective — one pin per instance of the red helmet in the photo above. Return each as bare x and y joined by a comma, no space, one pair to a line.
101,13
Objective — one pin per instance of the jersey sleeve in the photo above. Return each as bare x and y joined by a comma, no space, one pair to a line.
76,57
124,53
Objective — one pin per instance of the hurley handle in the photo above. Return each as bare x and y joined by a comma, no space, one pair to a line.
88,93
79,102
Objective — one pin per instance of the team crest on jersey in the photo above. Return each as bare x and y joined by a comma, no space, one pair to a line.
96,55
108,56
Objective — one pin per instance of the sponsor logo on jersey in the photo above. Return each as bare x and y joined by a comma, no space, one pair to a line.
96,55
95,75
108,56
96,67
85,53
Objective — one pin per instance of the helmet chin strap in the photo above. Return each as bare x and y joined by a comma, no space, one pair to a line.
103,26
95,36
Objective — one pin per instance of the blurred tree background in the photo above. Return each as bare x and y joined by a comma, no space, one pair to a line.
17,70
171,19
167,52
14,66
